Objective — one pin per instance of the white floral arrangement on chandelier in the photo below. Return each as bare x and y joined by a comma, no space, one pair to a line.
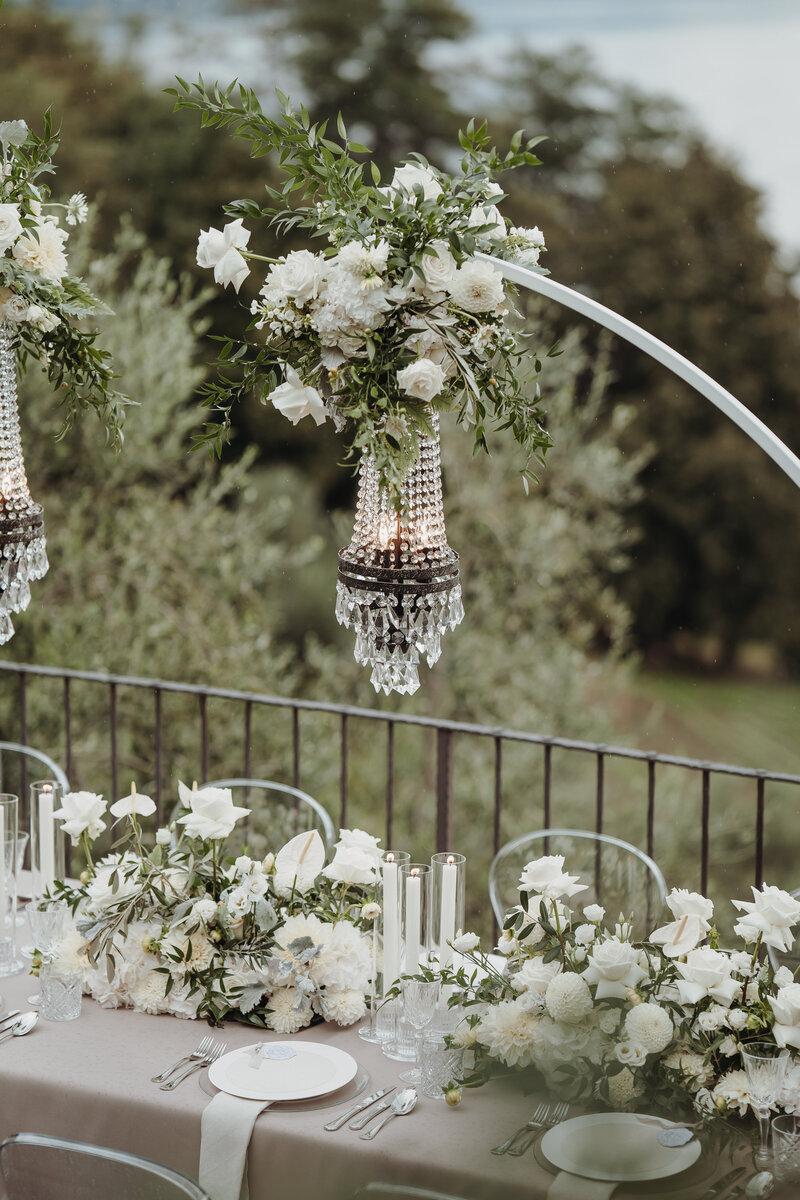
609,1020
39,299
394,318
278,942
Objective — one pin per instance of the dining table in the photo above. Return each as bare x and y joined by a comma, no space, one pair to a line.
91,1080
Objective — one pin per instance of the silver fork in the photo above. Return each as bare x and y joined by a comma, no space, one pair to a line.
536,1122
216,1051
554,1118
200,1050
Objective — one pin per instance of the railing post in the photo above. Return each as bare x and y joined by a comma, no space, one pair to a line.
444,789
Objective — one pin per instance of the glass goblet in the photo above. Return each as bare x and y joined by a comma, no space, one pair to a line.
420,998
48,924
765,1065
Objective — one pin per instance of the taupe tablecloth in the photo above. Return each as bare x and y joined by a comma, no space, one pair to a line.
90,1080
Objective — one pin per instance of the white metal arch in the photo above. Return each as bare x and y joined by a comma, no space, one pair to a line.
725,402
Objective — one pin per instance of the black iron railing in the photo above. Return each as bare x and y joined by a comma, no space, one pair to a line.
436,802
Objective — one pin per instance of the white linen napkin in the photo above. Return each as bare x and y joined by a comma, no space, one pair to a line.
566,1186
225,1131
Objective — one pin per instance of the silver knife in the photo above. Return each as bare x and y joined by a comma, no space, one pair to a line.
9,1018
360,1122
357,1108
725,1184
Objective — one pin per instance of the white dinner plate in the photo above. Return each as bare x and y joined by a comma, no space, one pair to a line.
311,1069
616,1147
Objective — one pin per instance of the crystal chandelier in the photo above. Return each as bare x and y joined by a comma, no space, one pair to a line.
398,584
22,546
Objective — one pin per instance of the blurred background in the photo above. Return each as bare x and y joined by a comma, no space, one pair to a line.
646,593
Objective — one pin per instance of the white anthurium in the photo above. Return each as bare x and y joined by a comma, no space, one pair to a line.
212,813
613,965
678,938
786,1007
299,863
134,805
707,972
771,913
295,400
221,249
82,812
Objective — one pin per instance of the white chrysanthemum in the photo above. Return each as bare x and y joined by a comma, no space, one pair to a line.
692,1066
650,1026
535,974
568,998
733,1090
46,255
345,1007
68,954
182,1002
176,942
300,926
147,994
508,1033
282,1017
205,909
477,287
77,209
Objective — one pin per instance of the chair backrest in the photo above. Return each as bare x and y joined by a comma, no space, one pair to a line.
787,958
37,1167
19,765
277,813
400,1191
618,875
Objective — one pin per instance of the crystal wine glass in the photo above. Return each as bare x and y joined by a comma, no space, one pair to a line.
48,924
765,1064
420,998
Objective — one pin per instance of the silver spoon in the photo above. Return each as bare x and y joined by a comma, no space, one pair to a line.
21,1026
403,1103
760,1186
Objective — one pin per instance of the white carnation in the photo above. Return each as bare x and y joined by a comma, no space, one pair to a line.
46,255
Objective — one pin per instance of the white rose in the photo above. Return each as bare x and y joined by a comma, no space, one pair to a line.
438,266
707,972
82,812
736,1019
683,903
477,287
771,913
219,248
546,877
351,865
410,176
10,226
242,864
301,275
585,934
728,1047
13,133
295,400
613,967
506,943
42,318
786,1007
357,839
488,215
46,255
713,1019
465,943
422,379
783,977
213,813
13,307
594,912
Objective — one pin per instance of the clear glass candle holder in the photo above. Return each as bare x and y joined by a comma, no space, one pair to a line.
9,824
386,950
61,992
48,858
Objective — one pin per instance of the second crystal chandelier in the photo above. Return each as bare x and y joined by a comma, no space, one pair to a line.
398,584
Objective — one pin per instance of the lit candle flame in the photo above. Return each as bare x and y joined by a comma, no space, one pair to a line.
450,860
415,870
390,857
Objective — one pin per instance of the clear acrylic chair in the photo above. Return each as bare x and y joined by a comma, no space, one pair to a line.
37,1167
19,765
619,876
787,958
277,813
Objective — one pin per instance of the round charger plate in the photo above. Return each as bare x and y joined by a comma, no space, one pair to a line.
616,1148
350,1091
292,1071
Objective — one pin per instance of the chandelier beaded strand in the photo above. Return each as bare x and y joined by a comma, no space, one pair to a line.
23,556
398,584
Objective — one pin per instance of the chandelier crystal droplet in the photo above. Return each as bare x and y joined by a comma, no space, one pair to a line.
23,556
398,584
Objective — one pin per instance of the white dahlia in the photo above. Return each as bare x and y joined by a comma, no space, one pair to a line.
692,1066
345,1007
508,1033
147,994
477,287
650,1026
732,1089
622,1088
568,998
282,1017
